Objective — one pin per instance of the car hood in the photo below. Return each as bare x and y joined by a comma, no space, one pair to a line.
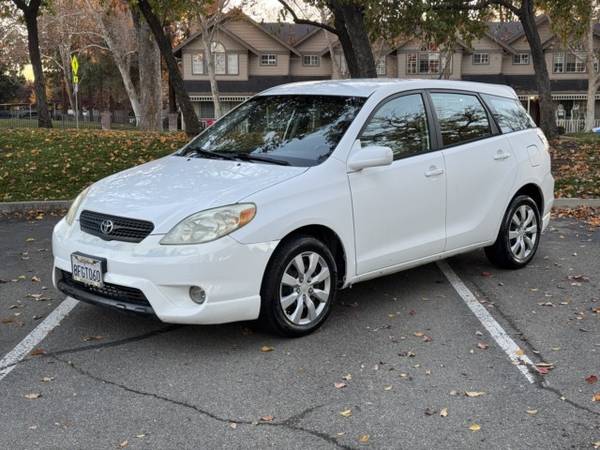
169,189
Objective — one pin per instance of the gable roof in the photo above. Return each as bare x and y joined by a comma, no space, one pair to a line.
241,16
292,33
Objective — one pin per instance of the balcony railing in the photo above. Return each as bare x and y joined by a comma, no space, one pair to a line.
574,125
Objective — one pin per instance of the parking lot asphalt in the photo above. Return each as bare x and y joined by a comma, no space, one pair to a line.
402,362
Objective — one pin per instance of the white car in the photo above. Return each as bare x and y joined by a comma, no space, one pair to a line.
305,189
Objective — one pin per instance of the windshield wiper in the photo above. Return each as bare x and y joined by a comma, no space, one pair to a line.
209,154
252,157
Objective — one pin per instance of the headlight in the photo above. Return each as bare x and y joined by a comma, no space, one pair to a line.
211,224
72,213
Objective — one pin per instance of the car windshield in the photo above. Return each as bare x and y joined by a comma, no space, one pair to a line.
297,130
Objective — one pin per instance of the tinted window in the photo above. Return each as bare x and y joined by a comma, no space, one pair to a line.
300,130
509,113
400,124
462,118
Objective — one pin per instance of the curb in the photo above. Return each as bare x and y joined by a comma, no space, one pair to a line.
566,203
54,205
45,206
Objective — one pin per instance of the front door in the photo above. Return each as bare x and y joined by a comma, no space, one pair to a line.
399,210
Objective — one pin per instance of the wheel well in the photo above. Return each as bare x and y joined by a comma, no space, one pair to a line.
535,193
330,239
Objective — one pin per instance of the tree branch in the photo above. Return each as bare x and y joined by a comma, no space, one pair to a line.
301,21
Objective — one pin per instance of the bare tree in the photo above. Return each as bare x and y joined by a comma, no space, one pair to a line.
114,24
592,58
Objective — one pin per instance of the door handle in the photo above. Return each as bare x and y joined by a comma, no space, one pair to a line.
433,172
501,154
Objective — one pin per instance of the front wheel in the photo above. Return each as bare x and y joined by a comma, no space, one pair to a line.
298,287
519,235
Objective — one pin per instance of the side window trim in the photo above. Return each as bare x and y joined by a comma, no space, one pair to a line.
495,130
434,145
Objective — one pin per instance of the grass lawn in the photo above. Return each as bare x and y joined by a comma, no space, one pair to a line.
576,165
40,164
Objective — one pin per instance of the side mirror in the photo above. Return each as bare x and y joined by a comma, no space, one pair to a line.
370,156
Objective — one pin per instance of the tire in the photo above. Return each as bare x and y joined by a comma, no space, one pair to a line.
517,243
294,300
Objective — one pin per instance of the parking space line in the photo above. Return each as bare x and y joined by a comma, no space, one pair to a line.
10,360
516,355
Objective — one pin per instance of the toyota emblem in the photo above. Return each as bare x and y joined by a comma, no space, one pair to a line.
107,226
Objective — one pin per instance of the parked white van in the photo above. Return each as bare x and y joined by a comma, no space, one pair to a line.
305,189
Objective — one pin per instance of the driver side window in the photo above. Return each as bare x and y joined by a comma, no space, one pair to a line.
400,124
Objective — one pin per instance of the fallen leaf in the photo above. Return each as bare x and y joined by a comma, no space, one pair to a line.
347,377
532,412
29,239
596,397
35,279
33,395
592,379
474,393
387,388
233,425
475,427
92,338
482,345
340,384
37,352
363,439
346,413
266,418
519,352
266,348
596,444
419,334
124,444
139,436
444,412
47,379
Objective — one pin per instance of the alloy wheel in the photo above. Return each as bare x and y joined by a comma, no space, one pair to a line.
305,288
523,232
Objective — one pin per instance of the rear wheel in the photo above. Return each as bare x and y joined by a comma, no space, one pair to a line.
299,287
519,235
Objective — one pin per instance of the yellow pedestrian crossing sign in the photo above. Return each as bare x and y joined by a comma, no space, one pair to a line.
74,68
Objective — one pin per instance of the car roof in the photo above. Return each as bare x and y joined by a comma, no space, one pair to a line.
358,87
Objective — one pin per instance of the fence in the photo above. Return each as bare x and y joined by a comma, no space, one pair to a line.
574,125
20,115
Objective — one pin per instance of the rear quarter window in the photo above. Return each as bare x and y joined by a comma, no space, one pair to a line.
509,113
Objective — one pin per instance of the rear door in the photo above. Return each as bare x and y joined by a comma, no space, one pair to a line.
480,166
399,210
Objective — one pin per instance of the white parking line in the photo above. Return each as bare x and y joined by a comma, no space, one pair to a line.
38,334
516,355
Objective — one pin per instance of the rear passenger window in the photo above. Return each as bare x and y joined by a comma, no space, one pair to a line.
462,118
400,124
509,113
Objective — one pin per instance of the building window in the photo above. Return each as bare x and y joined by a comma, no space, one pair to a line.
198,64
268,59
481,58
521,58
425,62
232,64
218,51
564,62
311,60
381,66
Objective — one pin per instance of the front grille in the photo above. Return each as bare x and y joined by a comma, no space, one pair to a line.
124,294
122,229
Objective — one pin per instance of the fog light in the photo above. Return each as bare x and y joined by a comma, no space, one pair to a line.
197,294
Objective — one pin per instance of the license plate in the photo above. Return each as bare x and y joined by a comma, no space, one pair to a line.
88,270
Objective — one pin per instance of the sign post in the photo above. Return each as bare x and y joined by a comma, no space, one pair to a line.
74,69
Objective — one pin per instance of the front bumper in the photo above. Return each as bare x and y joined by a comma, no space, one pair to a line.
230,273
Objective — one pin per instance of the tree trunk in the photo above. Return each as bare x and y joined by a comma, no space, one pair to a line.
349,23
590,110
542,79
210,65
150,79
33,43
187,110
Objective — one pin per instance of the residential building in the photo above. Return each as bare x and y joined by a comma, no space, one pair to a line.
251,56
